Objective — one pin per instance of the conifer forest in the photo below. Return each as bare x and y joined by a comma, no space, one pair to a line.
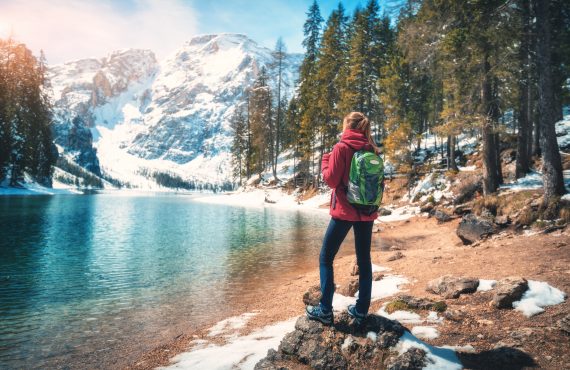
493,70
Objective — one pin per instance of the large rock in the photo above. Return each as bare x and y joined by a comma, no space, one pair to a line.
441,216
350,289
343,345
451,286
473,228
312,296
412,359
509,290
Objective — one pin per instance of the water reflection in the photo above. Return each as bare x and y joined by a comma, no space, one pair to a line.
80,276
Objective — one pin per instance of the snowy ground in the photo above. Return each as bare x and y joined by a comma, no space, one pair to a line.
243,352
532,181
30,187
238,353
274,198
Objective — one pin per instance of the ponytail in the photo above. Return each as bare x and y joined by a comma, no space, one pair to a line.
358,121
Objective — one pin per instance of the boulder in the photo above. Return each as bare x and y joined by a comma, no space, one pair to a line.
473,228
395,256
451,286
312,296
509,290
344,345
413,359
502,221
350,289
426,208
462,210
384,212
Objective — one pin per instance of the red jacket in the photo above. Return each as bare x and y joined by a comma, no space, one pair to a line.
336,167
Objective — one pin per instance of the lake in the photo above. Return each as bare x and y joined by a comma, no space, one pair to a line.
94,281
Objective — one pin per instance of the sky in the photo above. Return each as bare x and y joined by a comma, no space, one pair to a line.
75,29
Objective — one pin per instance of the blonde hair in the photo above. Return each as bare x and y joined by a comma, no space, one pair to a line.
358,121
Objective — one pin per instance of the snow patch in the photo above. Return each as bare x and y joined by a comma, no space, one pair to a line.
425,332
239,353
539,294
533,180
401,214
486,285
231,324
388,286
440,358
406,317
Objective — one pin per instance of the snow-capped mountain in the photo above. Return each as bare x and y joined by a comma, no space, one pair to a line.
149,116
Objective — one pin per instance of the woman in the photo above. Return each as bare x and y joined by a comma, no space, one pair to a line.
336,166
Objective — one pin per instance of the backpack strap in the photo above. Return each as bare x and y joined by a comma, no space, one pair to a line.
353,151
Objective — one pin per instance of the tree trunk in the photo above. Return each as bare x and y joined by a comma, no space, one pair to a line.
536,150
278,123
490,180
523,160
499,166
248,153
451,140
551,161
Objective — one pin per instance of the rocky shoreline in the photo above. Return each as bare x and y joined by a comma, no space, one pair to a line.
482,334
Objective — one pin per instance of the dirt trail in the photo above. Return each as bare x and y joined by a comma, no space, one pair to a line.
431,250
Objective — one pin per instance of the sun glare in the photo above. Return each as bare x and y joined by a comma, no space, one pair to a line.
4,29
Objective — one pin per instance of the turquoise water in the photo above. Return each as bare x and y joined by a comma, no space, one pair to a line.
93,281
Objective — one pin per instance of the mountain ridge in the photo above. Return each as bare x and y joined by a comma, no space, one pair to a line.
146,115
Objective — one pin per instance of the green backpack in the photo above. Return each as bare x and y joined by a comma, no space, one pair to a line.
365,181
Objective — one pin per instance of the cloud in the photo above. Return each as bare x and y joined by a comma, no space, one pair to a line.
73,29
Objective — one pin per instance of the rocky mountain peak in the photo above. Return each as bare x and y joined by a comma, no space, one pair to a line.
172,115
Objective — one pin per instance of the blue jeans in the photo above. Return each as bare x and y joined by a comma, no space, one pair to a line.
336,232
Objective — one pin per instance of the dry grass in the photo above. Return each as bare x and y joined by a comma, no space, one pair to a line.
565,214
394,189
491,203
308,193
527,217
511,203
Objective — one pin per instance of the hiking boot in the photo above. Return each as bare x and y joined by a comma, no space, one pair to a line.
317,313
358,317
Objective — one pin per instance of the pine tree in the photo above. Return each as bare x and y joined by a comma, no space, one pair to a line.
261,123
330,70
279,55
308,87
25,116
524,116
354,94
551,161
239,143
